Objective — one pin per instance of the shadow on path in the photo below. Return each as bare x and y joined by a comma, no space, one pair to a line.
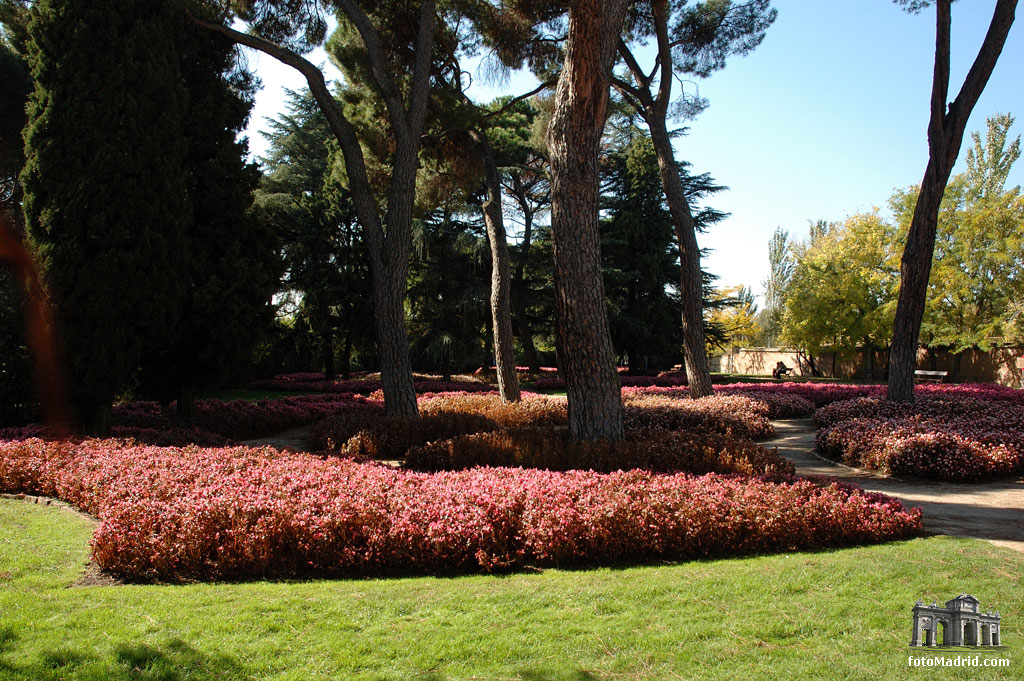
991,510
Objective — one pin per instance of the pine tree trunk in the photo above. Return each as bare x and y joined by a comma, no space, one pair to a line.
501,311
945,134
581,101
915,270
691,285
392,341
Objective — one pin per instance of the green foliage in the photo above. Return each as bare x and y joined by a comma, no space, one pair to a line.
16,390
449,285
15,86
735,313
843,288
231,261
977,278
640,258
326,266
780,262
105,186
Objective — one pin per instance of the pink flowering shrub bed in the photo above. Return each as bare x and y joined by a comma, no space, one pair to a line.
780,405
649,449
940,436
727,414
315,383
234,513
216,423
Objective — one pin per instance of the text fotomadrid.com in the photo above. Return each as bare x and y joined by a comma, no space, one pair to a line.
957,661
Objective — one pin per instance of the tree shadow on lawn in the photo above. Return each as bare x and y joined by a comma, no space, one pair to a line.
174,660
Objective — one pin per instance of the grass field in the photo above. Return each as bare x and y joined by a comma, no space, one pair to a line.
838,614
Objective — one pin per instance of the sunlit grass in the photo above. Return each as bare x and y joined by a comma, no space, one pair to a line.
836,614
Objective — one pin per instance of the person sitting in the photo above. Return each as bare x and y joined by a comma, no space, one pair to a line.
780,370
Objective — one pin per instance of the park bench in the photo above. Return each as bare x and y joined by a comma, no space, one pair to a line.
874,374
930,376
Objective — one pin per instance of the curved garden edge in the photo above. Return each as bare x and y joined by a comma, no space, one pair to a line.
993,511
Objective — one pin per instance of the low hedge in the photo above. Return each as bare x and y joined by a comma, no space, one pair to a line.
235,513
550,449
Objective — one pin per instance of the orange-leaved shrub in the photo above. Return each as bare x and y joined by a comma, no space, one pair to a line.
442,416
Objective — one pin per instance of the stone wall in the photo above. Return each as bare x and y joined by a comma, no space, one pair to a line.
1000,365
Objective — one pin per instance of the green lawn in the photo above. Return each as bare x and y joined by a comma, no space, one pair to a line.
831,615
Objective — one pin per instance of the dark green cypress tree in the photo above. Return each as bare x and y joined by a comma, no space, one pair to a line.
232,266
640,259
105,187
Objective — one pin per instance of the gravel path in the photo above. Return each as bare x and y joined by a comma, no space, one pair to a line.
993,510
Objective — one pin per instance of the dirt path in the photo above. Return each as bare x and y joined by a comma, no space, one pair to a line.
295,439
993,511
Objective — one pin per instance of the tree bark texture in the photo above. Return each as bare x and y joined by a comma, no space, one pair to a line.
654,109
945,135
691,285
581,101
501,275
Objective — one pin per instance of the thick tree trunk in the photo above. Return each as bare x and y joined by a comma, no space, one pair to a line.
392,340
945,135
691,285
915,270
581,101
501,275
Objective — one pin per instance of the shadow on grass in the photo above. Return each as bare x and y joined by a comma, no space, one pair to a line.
174,660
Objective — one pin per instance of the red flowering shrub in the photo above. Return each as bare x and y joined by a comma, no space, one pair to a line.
939,436
652,450
192,513
780,405
726,414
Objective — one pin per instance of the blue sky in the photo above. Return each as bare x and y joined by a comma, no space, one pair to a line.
825,119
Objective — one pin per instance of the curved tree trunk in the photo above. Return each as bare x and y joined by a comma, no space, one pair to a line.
691,285
501,312
945,135
581,101
388,238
